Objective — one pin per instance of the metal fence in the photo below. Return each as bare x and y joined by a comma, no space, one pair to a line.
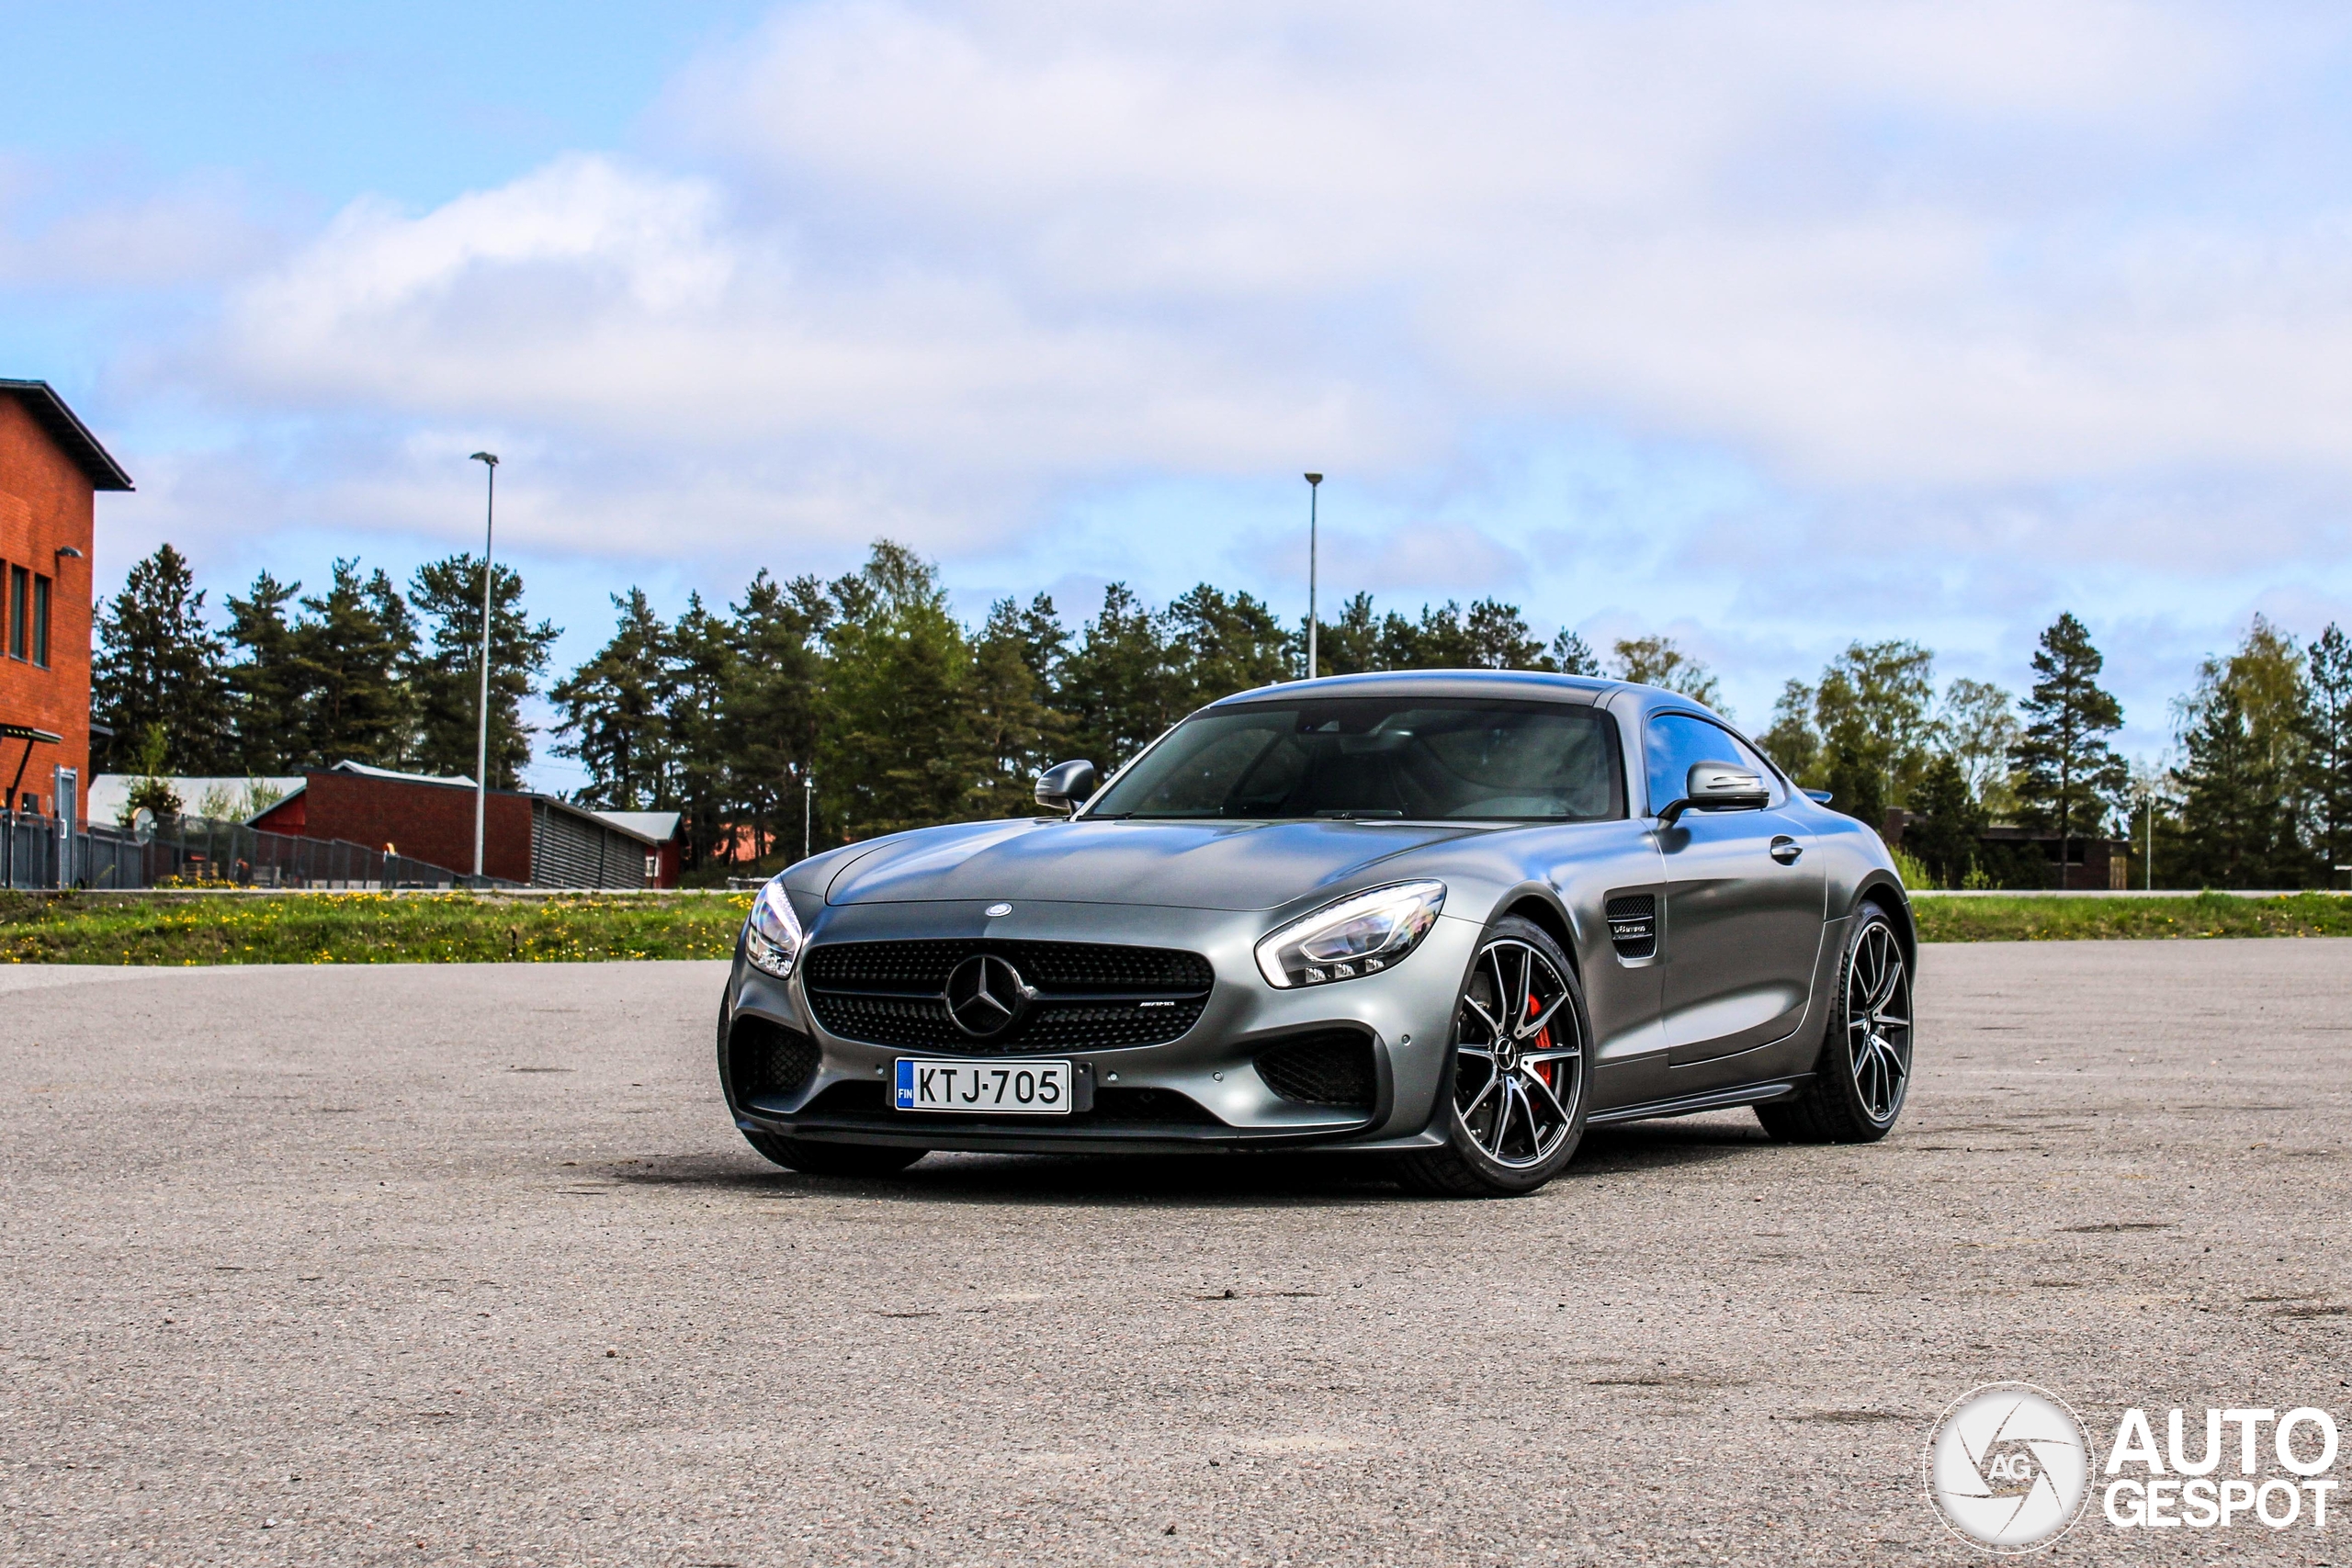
44,851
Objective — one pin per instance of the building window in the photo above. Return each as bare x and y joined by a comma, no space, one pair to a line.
653,867
19,585
41,622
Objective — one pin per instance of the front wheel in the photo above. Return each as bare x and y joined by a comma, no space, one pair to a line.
1864,1074
1518,1096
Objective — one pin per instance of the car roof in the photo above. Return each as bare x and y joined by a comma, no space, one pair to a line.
1524,684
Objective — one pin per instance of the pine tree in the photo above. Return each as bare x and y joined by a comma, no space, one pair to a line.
1010,730
696,679
2246,740
1569,656
2226,827
1217,644
1351,645
444,676
771,703
2329,727
1500,639
612,711
159,666
898,665
1044,645
352,647
1118,688
1946,820
267,683
2066,772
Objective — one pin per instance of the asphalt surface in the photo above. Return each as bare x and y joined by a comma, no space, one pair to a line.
465,1264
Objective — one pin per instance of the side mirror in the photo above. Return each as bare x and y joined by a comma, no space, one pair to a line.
1065,786
1719,786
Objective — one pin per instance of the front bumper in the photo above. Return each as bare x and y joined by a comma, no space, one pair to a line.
1227,1104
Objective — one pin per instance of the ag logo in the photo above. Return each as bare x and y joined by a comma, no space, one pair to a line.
2009,1467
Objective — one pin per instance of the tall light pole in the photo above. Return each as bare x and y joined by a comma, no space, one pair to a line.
482,745
1314,490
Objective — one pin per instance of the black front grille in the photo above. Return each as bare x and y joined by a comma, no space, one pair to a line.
1090,996
767,1060
1330,1068
1632,925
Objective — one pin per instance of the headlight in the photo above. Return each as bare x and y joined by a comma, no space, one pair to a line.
1359,935
771,936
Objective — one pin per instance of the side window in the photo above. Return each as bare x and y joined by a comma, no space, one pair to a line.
1677,741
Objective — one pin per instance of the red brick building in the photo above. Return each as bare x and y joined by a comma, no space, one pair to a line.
51,470
534,839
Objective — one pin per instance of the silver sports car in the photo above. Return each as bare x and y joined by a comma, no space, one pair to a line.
1451,916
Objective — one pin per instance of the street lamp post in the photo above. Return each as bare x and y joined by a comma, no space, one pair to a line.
482,744
1314,490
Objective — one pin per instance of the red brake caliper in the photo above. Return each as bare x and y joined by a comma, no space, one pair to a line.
1543,1042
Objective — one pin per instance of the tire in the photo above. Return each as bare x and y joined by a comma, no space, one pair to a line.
1863,1074
1543,1073
813,1159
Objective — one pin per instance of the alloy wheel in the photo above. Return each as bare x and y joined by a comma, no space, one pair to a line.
1519,1055
1878,1022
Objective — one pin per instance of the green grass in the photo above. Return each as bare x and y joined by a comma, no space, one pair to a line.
2028,918
465,928
363,927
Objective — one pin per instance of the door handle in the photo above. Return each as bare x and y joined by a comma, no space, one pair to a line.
1785,849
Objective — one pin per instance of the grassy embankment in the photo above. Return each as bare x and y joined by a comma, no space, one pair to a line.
364,928
464,928
2028,918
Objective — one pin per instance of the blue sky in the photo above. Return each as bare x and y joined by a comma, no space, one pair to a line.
1771,326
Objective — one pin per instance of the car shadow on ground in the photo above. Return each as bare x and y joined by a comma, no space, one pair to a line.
1127,1181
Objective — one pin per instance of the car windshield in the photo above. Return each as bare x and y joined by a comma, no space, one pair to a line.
1419,757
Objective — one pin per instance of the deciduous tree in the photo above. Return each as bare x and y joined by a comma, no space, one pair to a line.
1660,662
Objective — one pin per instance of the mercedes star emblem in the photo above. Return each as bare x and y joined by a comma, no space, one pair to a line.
985,995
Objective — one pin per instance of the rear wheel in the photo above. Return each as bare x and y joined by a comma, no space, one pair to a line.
813,1159
1517,1108
1864,1074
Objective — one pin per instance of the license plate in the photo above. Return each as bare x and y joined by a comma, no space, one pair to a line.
1029,1088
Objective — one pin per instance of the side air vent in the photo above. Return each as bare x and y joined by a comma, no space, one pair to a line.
1330,1068
1632,925
767,1061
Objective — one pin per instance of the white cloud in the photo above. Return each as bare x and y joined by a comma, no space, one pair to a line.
56,235
2021,297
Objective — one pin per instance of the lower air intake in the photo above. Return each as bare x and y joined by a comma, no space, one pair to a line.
1331,1068
767,1061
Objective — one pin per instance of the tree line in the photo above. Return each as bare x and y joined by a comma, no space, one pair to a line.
2259,793
863,702
289,680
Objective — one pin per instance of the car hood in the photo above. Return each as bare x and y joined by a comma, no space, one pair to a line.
1195,865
